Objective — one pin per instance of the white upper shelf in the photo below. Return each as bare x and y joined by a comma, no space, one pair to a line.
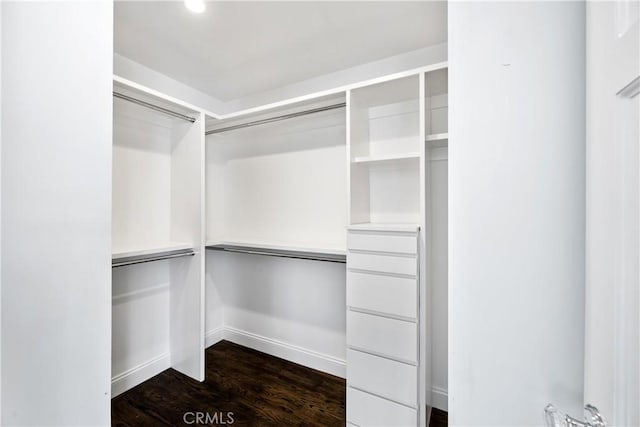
438,137
387,158
150,251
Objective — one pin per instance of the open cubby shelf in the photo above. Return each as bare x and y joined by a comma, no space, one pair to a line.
385,152
436,107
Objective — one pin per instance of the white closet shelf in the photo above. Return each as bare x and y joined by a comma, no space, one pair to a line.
177,246
121,259
438,140
438,137
317,254
387,158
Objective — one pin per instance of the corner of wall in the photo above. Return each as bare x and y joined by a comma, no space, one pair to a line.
129,69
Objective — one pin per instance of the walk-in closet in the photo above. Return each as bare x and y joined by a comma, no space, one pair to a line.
314,230
319,213
311,228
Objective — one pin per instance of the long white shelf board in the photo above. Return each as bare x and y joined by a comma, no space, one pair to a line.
380,226
123,259
387,158
276,245
319,254
150,251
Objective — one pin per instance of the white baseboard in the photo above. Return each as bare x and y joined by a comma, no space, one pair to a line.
139,374
213,336
292,353
440,398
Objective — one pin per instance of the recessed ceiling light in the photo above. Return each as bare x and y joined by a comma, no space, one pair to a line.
195,6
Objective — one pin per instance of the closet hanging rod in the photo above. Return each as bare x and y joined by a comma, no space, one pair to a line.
281,253
149,258
277,118
154,107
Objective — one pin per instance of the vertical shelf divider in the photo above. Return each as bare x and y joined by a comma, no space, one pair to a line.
187,279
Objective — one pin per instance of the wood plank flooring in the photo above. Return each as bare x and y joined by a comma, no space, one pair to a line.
244,386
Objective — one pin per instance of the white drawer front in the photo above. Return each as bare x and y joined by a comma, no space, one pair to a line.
397,243
383,263
386,294
381,335
387,378
364,409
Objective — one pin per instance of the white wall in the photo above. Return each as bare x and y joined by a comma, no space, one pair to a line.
294,309
56,187
517,200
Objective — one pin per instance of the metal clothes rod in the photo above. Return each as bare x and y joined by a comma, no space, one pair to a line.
159,257
281,253
277,118
154,107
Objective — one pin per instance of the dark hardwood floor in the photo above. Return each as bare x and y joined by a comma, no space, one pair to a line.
244,386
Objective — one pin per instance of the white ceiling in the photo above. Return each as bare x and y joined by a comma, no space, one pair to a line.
236,49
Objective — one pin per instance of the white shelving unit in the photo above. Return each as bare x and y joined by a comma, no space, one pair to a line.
157,235
394,128
278,190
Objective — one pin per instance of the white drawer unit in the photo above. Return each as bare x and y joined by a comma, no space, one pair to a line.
365,409
383,323
382,293
387,378
395,339
394,264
